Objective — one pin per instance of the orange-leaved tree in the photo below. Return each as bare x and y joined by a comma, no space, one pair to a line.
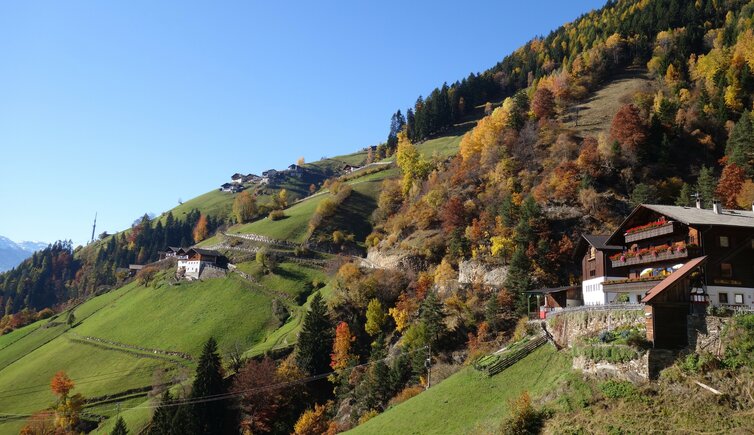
68,406
200,230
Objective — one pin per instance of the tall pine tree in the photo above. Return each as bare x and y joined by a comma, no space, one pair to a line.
120,427
210,417
315,339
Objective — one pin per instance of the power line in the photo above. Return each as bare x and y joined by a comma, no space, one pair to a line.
225,396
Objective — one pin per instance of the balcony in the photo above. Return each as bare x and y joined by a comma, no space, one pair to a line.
627,260
650,232
632,285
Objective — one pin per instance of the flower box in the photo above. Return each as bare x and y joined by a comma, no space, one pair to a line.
649,255
648,231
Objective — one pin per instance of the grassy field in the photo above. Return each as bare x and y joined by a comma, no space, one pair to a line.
183,317
596,113
292,228
177,318
469,402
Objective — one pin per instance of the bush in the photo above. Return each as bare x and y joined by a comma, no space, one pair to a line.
740,335
522,329
406,394
276,215
146,275
619,390
524,419
695,363
611,353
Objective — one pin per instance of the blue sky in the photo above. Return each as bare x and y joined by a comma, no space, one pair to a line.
122,108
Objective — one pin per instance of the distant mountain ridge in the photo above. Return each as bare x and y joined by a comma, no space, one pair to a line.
13,253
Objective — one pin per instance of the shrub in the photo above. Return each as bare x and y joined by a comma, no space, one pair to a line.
522,329
740,335
44,314
368,416
146,275
406,394
524,419
276,215
695,363
619,390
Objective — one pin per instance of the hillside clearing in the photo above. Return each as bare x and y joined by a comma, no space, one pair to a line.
595,114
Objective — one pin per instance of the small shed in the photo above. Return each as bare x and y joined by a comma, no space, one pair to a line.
555,298
669,303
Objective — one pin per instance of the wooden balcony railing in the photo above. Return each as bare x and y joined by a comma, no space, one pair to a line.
661,230
651,258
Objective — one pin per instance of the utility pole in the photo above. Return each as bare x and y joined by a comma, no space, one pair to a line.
428,365
94,227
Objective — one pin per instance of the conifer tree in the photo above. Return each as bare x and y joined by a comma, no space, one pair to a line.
209,417
430,313
706,185
740,146
684,196
162,419
120,427
315,339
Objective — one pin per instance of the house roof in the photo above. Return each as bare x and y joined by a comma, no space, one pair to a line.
598,241
236,176
553,289
208,252
692,216
674,277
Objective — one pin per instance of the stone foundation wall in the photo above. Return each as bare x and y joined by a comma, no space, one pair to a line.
567,327
636,371
705,334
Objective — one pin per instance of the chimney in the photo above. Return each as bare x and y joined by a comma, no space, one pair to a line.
752,207
698,198
716,207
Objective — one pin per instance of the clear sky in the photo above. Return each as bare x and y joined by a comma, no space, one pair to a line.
122,108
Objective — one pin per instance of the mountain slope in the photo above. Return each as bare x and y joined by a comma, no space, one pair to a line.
12,253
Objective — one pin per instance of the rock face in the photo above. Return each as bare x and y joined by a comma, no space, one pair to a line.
395,260
472,271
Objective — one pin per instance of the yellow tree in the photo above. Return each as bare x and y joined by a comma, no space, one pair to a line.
410,162
244,207
200,230
69,406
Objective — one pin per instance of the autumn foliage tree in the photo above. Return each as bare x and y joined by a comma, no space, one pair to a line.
68,407
260,396
313,421
200,230
543,103
341,356
731,182
244,207
629,131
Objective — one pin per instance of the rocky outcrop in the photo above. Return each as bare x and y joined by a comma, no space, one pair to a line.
475,272
395,260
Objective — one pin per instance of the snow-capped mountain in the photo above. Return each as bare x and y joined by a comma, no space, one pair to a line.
13,253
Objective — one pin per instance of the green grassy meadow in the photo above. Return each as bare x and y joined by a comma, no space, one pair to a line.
470,402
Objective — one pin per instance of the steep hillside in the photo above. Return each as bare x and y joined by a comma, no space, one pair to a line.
468,401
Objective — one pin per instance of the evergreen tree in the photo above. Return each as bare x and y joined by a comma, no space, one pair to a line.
120,427
684,196
183,422
706,185
162,419
430,313
315,339
740,146
209,417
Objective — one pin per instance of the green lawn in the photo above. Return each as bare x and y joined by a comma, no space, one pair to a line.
443,146
183,317
470,402
293,228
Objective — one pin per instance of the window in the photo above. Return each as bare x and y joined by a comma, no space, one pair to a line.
592,272
726,270
724,241
739,298
722,298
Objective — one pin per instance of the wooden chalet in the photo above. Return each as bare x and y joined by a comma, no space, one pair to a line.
196,259
659,240
594,253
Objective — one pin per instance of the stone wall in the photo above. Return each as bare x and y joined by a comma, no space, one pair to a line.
567,326
636,370
705,334
395,260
